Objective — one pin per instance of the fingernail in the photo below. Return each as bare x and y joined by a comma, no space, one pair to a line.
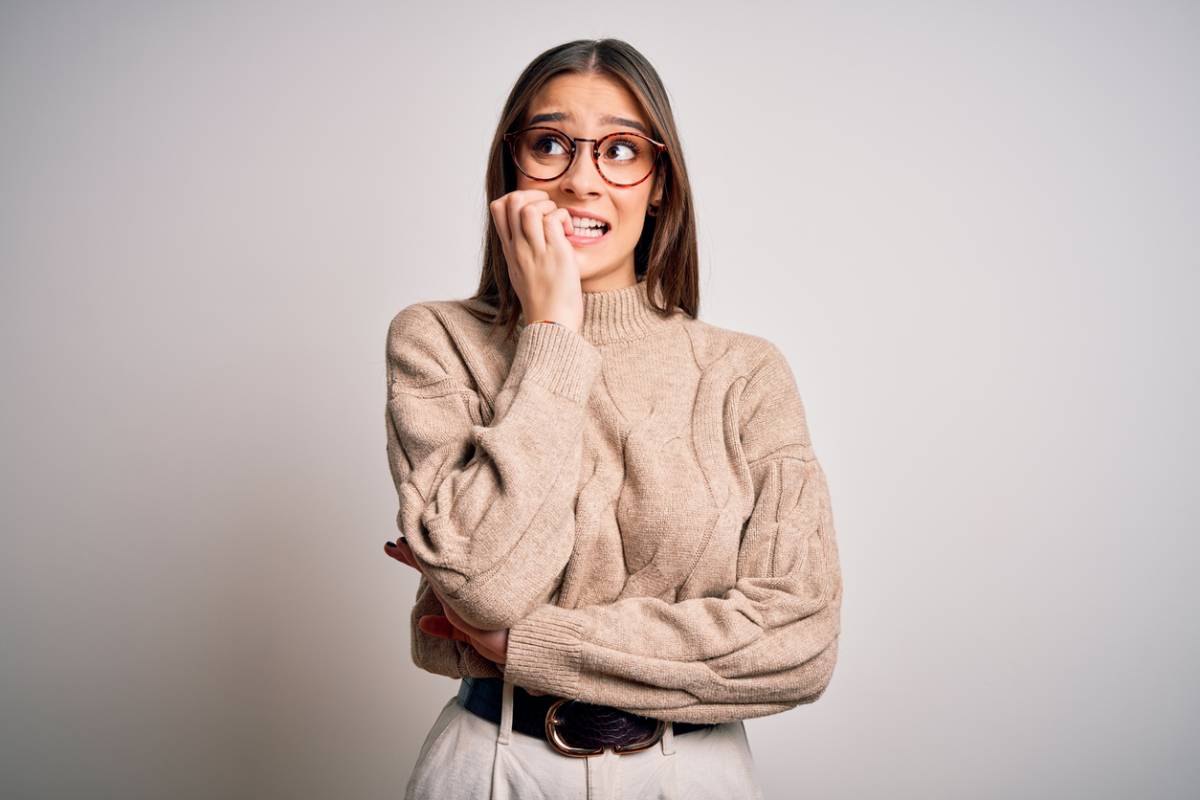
391,545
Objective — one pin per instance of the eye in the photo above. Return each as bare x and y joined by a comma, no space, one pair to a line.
545,145
621,150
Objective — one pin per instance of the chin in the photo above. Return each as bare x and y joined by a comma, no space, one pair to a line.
587,271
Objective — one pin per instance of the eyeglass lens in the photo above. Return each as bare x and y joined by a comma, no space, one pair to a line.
544,154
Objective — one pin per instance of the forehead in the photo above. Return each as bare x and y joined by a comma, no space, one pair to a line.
586,98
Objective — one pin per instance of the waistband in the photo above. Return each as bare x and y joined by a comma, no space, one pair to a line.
483,697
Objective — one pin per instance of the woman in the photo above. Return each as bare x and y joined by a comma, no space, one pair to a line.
624,538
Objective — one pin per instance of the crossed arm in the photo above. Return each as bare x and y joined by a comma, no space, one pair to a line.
488,515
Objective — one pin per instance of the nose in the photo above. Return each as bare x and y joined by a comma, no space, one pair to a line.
582,178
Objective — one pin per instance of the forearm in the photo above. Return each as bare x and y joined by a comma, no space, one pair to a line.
488,510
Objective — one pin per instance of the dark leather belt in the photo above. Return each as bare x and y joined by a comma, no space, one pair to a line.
572,727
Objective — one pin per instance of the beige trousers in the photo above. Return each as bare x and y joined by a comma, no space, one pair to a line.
466,757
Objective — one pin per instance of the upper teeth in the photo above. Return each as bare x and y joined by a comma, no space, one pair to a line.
586,222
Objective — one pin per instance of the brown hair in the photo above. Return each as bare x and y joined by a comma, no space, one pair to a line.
666,255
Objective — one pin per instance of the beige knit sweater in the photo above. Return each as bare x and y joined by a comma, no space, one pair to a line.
638,502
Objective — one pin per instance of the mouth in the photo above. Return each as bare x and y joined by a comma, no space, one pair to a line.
587,230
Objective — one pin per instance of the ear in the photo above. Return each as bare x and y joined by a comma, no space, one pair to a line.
657,192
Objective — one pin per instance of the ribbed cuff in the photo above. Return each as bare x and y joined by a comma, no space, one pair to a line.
557,358
545,651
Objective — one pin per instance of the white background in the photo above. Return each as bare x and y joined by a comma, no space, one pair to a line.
972,228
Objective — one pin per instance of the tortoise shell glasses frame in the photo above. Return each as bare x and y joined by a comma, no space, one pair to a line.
659,149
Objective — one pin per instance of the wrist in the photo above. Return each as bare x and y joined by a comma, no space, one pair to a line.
549,321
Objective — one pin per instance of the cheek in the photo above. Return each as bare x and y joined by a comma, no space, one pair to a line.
633,215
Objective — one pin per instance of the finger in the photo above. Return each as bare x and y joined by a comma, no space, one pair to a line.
506,208
548,208
517,228
532,229
394,551
441,627
493,643
435,626
558,227
401,552
514,202
456,619
406,550
490,654
499,212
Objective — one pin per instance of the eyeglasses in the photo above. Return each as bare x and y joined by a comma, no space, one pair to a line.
623,158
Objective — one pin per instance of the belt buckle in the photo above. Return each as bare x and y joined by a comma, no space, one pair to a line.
556,740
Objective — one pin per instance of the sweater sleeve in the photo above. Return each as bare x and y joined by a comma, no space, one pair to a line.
488,509
440,655
769,643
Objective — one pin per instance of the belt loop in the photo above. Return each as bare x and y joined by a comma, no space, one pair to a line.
668,739
506,713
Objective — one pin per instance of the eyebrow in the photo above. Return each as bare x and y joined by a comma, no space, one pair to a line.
607,119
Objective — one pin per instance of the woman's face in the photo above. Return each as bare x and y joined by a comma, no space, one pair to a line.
578,103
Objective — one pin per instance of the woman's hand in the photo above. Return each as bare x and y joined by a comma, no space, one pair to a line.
492,645
542,266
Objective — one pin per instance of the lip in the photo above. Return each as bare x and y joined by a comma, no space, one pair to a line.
584,241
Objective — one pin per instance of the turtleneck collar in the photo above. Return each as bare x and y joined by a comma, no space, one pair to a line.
624,314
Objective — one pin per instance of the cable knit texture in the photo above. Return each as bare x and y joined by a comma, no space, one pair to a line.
639,503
